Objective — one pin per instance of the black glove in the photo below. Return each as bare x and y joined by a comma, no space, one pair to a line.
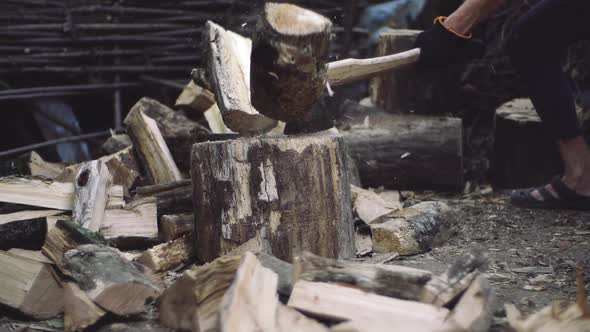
439,46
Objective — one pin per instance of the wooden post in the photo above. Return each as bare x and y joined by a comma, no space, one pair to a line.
290,51
520,146
293,190
91,194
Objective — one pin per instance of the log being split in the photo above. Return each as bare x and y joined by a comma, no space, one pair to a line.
228,61
290,51
293,189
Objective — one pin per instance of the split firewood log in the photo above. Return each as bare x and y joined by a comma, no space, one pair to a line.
79,311
91,187
111,281
24,229
173,226
132,226
167,255
30,287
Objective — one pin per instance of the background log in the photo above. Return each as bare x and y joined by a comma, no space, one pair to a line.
404,151
293,188
290,49
523,155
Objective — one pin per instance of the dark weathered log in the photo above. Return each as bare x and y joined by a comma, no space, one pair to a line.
25,229
177,200
111,281
404,151
151,147
228,67
79,311
174,226
29,287
520,146
388,280
91,187
291,48
294,190
116,143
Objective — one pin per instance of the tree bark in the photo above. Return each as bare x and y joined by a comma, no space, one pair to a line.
289,56
404,151
520,146
293,190
25,229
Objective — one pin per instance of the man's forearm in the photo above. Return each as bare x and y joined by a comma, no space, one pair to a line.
471,12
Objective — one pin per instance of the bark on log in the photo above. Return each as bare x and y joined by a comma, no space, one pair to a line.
177,200
64,236
151,147
25,229
291,48
111,281
174,226
79,311
521,145
387,280
293,190
29,287
165,256
91,188
192,302
413,230
404,151
228,66
116,143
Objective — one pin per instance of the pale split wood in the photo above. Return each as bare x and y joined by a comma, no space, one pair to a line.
34,255
228,66
368,205
342,303
48,194
475,309
29,287
250,304
111,281
167,255
90,194
138,220
40,167
192,301
215,121
291,320
351,70
195,98
151,147
79,311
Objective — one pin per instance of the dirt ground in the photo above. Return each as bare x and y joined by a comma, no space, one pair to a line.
533,253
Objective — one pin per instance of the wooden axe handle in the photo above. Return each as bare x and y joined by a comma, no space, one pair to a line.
350,70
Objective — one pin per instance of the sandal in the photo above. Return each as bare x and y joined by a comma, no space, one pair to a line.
567,200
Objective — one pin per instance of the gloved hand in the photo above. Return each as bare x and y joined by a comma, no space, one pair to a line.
440,46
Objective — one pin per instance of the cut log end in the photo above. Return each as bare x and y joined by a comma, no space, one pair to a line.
293,20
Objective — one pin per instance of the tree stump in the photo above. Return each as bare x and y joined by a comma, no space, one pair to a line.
523,154
293,190
290,49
